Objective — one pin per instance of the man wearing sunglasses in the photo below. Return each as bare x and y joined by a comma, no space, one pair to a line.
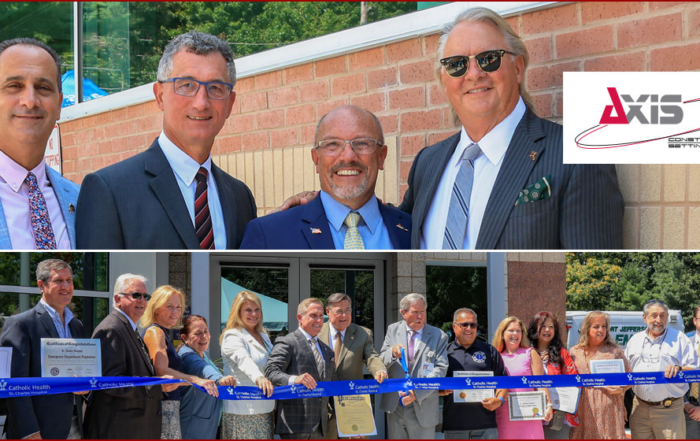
501,181
172,196
463,415
126,412
348,155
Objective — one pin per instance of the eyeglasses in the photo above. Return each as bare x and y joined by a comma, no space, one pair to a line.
136,295
361,146
341,311
467,325
216,90
488,61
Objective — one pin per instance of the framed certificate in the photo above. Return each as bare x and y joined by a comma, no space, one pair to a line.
473,395
616,366
5,362
565,398
353,415
71,357
526,406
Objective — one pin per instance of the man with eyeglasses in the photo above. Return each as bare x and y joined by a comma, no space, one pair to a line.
657,412
130,412
172,196
501,182
43,416
413,414
463,418
352,345
692,398
349,152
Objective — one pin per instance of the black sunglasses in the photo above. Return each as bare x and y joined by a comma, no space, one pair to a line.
137,295
467,325
488,61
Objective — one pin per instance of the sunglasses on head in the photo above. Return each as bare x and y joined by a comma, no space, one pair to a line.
488,61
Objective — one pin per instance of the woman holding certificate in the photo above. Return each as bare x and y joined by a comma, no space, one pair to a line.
199,412
545,338
163,313
601,409
520,421
245,347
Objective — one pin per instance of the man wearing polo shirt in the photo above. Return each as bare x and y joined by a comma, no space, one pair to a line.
657,412
471,420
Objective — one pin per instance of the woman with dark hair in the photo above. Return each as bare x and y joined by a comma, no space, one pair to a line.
199,412
601,409
544,334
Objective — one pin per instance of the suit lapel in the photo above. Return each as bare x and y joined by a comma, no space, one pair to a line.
135,341
418,350
227,198
5,242
315,226
67,196
513,176
46,320
164,185
306,349
397,226
348,341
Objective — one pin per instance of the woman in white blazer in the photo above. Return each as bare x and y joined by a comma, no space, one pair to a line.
244,348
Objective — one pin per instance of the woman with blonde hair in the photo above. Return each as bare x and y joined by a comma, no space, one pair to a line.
601,410
163,313
245,347
520,359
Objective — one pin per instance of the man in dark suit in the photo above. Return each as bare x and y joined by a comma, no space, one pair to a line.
425,347
352,345
43,416
172,196
300,358
501,181
348,155
130,412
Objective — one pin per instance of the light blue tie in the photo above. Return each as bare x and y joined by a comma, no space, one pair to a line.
458,215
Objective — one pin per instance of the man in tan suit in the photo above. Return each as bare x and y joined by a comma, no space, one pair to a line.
352,344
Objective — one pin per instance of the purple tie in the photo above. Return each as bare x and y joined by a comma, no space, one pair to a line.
41,223
411,347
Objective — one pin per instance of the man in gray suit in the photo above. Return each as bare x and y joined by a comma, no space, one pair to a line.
173,196
301,358
692,404
501,182
425,346
43,416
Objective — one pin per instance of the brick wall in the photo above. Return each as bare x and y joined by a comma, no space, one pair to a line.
266,140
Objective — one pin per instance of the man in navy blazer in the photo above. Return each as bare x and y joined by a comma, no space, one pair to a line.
43,416
523,196
30,105
172,196
348,155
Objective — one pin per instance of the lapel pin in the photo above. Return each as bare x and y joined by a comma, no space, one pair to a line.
401,227
533,155
315,230
71,208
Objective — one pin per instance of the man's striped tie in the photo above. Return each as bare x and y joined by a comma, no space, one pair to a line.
202,217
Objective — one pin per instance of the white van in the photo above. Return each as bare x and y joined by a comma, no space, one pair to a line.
623,325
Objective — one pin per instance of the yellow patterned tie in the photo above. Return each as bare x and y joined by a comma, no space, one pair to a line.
353,240
695,387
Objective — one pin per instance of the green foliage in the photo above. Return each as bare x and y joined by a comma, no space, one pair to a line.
625,281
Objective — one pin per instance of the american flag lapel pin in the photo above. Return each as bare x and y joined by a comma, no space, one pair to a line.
315,230
401,227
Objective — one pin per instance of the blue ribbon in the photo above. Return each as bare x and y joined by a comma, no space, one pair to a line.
404,366
19,387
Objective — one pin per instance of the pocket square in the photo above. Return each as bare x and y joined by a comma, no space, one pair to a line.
541,189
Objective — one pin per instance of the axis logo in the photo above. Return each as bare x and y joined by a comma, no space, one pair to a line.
674,113
631,117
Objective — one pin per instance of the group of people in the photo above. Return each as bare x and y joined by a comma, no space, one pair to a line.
500,182
135,340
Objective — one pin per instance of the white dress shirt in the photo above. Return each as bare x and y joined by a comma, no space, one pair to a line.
131,322
331,336
307,336
486,167
647,354
185,169
14,196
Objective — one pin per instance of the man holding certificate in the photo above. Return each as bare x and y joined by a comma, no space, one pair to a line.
413,414
43,416
657,412
471,413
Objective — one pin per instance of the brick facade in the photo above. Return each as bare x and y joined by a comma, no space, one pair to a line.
266,140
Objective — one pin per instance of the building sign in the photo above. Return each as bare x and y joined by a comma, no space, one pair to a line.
53,149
